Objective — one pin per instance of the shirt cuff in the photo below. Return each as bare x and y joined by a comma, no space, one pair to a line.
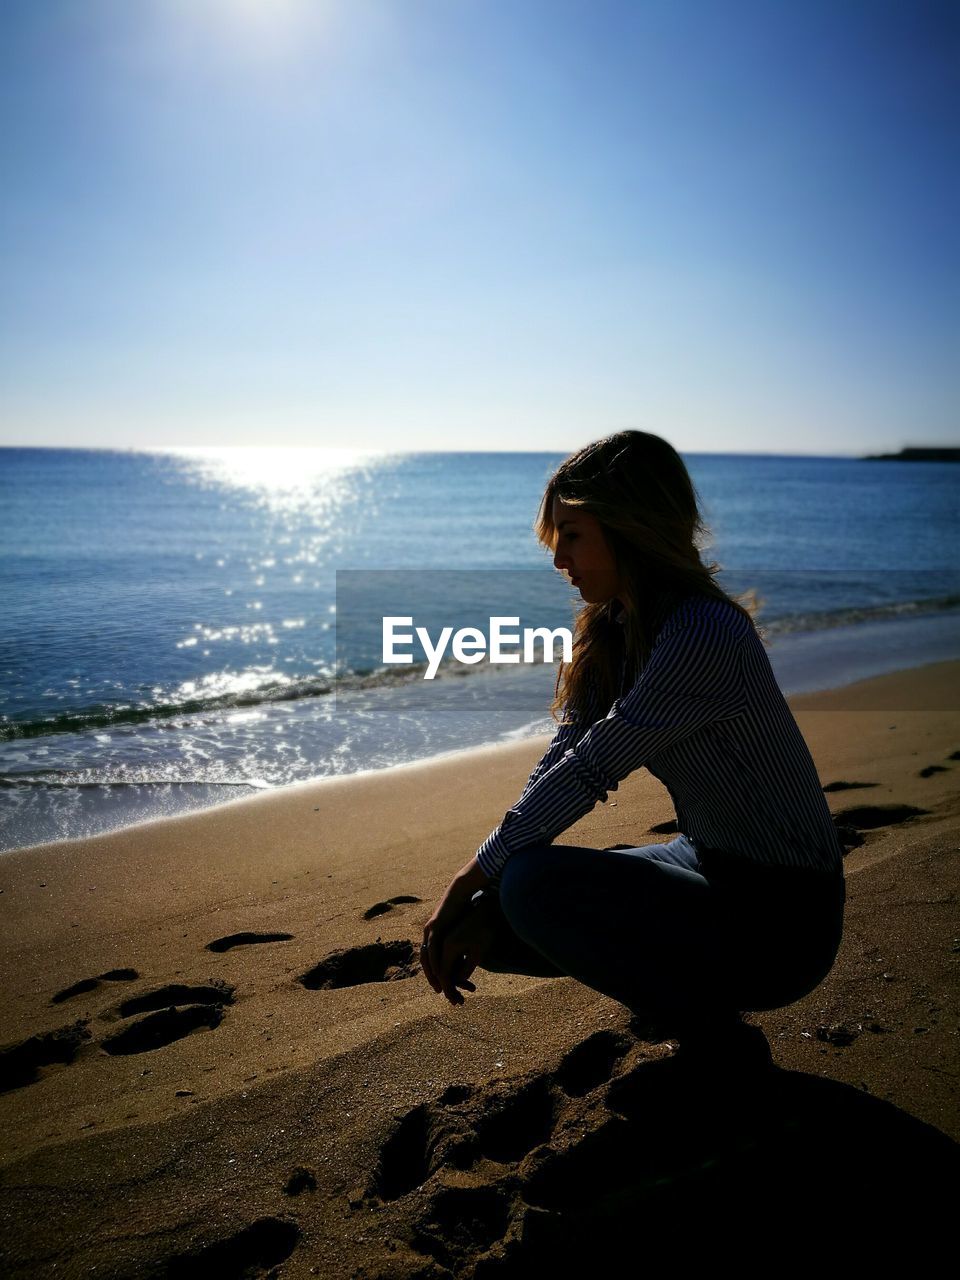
492,855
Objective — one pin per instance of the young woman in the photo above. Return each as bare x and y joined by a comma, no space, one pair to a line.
744,909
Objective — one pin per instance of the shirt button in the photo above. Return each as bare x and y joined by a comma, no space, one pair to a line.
542,830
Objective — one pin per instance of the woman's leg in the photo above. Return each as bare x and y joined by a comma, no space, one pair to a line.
634,926
651,928
781,927
637,925
509,953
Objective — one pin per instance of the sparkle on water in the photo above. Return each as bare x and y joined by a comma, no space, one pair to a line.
283,477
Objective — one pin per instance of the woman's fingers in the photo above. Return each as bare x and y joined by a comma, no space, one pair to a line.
449,961
466,964
435,930
434,959
462,971
427,961
430,969
460,958
453,943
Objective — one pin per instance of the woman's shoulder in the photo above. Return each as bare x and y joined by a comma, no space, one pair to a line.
702,612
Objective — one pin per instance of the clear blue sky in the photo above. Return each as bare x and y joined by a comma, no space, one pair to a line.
480,223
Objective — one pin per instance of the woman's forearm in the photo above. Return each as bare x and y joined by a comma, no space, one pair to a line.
472,876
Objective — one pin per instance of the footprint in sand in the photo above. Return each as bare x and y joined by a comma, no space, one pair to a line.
868,817
523,1176
500,1122
848,786
91,984
377,962
300,1180
850,837
931,769
246,940
22,1063
381,908
172,1012
253,1251
851,823
474,1161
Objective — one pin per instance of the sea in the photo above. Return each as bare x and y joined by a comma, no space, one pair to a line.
183,627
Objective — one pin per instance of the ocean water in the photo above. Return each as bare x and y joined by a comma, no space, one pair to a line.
184,627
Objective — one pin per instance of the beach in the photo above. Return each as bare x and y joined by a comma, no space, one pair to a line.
220,1056
385,386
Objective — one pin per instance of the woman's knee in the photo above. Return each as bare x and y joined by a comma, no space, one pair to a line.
524,882
521,871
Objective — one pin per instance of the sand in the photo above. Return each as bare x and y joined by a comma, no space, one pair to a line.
220,1056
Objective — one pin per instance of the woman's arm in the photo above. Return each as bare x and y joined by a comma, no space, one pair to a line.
567,735
437,951
693,677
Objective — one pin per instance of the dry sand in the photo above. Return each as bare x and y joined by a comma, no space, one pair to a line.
173,1110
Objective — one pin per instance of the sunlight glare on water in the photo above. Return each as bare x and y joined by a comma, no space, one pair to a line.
309,499
283,479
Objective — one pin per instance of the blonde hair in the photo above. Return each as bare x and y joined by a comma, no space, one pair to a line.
639,489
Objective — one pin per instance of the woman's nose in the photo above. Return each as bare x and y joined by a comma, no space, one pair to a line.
561,560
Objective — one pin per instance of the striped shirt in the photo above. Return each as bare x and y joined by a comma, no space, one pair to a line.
707,717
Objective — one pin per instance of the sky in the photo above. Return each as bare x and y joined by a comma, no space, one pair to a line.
480,224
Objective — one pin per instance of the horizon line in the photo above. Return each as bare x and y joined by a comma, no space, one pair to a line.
385,452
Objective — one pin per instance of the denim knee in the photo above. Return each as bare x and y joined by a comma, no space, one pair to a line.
522,880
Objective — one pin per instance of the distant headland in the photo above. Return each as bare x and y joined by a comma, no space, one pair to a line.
935,453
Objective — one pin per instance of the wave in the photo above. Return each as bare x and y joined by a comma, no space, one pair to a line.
16,782
100,716
855,615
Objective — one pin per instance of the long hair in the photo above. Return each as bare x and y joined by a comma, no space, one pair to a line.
640,491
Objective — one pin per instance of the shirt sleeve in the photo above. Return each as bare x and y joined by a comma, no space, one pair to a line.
693,678
566,736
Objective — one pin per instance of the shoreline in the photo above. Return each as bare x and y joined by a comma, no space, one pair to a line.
298,1063
871,693
852,654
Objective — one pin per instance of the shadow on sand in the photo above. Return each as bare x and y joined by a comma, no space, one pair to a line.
563,1171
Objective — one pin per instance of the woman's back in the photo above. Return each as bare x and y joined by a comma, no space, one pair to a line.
744,782
707,718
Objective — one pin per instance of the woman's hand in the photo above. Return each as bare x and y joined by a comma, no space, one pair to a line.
464,947
452,933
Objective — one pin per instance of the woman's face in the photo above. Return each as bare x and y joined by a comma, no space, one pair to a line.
583,552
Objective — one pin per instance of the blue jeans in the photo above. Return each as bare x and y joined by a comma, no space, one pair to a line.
671,932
